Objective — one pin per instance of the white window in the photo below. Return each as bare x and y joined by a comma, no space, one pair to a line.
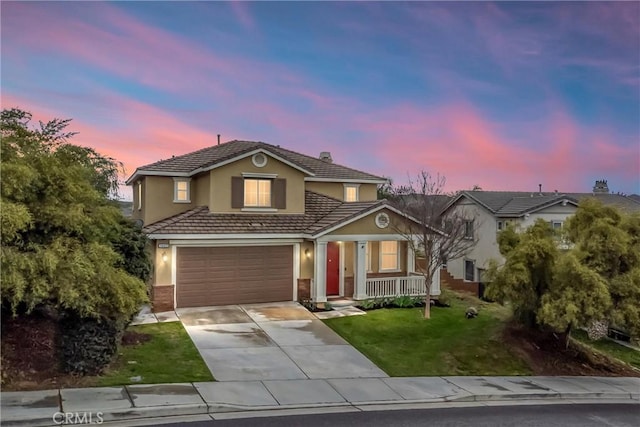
556,225
140,195
351,193
181,190
257,192
500,225
367,255
389,255
468,229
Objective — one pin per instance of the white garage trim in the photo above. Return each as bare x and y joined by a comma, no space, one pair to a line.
235,242
174,273
296,269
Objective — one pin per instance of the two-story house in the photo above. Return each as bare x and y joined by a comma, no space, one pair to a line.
489,212
249,222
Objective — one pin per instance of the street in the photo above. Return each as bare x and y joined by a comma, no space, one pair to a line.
577,415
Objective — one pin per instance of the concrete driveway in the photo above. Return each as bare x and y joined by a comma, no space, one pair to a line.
275,341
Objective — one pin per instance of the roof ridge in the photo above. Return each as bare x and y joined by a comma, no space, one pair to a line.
317,159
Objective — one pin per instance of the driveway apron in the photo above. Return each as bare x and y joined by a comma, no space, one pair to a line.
275,341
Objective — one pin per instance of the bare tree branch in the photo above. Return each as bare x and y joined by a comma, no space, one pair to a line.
437,234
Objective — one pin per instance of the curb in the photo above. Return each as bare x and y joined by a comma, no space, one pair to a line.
222,411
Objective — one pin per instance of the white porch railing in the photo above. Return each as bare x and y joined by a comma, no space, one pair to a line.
382,287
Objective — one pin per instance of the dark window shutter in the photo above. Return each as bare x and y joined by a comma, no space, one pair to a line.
279,193
237,192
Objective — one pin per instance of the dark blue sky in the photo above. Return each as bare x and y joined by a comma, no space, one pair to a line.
502,95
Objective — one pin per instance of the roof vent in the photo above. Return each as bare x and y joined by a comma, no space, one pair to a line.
325,156
601,186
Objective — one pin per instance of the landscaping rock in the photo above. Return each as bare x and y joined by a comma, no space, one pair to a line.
471,312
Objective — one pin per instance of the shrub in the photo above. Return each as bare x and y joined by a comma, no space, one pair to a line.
88,344
403,301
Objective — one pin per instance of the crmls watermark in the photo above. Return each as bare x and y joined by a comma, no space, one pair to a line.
77,418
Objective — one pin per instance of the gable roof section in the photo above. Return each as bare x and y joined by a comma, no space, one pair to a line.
519,203
323,214
208,158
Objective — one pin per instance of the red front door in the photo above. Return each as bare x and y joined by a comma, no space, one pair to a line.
333,268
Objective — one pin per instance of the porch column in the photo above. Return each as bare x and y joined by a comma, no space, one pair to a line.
360,291
411,258
319,292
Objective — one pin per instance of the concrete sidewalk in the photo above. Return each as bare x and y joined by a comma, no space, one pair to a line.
257,398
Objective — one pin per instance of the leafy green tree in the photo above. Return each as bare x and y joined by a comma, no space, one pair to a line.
63,239
597,279
577,296
607,242
528,270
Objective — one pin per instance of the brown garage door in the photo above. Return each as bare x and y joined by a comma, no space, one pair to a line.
233,275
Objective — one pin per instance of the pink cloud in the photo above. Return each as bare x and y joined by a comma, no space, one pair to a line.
129,48
241,11
457,141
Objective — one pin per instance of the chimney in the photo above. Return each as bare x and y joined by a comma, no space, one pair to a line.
325,156
601,186
540,189
218,139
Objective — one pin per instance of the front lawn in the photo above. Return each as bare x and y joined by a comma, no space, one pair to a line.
168,356
402,343
610,348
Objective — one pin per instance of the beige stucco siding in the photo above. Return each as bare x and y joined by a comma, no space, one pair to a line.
220,184
367,225
349,258
158,202
486,247
200,188
366,192
306,262
161,268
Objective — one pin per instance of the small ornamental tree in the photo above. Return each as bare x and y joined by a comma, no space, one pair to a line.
438,234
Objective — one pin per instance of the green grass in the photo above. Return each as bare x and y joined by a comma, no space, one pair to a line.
169,357
610,348
402,343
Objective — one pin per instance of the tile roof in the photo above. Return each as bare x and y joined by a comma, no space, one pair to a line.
321,213
517,203
207,157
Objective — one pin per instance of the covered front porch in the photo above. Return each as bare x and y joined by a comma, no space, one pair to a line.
365,267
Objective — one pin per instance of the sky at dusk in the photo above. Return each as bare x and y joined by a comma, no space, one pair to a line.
501,95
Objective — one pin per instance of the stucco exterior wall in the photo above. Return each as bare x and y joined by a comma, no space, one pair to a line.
161,268
367,225
158,202
220,184
367,192
306,262
200,188
552,213
486,247
349,258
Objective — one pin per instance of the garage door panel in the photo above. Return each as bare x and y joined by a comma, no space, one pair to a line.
233,275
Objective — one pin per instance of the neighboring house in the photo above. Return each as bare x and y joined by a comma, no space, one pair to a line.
492,211
248,222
